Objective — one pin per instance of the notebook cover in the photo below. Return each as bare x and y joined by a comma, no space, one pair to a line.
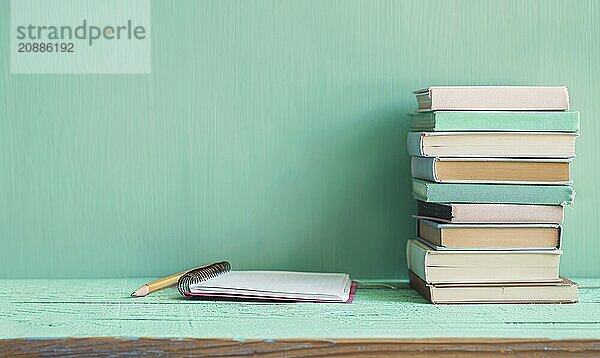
254,298
424,168
526,98
495,121
492,193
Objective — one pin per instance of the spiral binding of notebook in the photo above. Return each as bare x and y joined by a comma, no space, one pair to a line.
201,274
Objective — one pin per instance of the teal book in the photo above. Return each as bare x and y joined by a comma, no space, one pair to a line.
492,193
496,121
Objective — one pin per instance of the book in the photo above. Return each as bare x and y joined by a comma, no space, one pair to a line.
490,213
492,144
495,98
563,291
491,170
271,286
482,266
492,193
504,121
489,236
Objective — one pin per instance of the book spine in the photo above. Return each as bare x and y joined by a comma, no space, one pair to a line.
419,189
506,121
423,168
416,258
420,285
413,144
560,237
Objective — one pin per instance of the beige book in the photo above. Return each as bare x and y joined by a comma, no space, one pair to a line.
482,266
492,170
563,291
492,144
489,236
510,98
491,213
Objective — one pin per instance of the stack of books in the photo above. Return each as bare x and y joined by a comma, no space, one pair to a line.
491,174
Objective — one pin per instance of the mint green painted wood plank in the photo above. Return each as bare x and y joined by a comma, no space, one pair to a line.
64,308
270,133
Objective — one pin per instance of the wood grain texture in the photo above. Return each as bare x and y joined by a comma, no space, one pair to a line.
270,133
300,348
94,308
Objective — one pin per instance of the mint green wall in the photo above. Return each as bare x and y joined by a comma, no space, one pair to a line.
270,133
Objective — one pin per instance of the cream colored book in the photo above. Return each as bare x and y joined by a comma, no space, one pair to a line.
492,170
492,144
483,266
563,291
491,213
489,236
496,98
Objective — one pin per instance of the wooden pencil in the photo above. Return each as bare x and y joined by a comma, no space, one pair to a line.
157,285
160,284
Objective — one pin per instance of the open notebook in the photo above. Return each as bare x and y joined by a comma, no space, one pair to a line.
270,286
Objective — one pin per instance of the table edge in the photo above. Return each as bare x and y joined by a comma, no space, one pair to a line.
294,347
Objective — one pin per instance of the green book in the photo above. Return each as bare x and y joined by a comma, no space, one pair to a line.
495,121
492,193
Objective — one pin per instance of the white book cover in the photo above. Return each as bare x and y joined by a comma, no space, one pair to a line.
525,98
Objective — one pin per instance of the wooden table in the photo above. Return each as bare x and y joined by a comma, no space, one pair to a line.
98,317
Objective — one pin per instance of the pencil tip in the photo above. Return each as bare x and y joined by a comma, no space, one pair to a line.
141,292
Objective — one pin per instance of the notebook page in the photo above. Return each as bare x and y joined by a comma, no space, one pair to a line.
276,283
